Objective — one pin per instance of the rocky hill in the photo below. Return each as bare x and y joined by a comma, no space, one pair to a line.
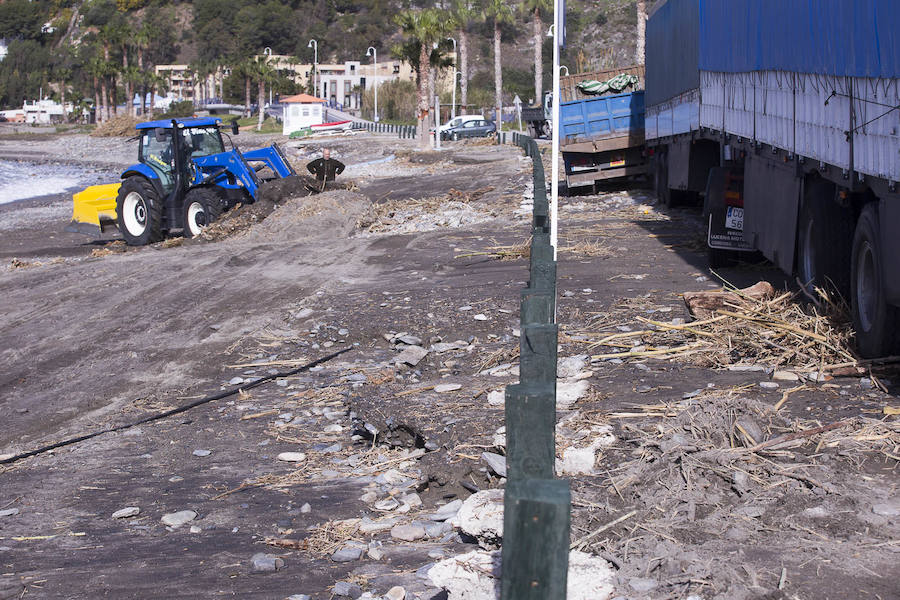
69,44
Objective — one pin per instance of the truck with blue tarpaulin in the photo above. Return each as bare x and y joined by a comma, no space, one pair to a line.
601,134
783,117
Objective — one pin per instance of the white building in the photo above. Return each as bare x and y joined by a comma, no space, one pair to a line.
45,112
344,84
301,111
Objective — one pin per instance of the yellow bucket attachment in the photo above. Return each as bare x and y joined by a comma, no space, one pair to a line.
94,209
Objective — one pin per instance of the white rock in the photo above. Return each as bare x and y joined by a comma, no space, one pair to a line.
9,512
481,516
569,392
447,511
496,463
578,461
785,376
236,381
333,428
177,519
816,512
368,526
475,576
6,456
480,317
571,366
768,385
412,499
291,456
447,346
447,387
395,593
411,355
195,529
201,453
408,533
890,508
387,504
496,397
305,508
465,308
124,513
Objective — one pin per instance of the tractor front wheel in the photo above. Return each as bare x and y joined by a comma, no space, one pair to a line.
139,210
202,206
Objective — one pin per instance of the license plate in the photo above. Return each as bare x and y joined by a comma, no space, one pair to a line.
734,218
617,163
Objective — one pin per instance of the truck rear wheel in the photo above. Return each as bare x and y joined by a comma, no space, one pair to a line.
139,211
823,248
202,206
874,320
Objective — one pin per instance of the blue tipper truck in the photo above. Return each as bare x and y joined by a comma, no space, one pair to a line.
783,116
602,136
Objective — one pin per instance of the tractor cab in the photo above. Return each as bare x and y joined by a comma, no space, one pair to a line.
192,138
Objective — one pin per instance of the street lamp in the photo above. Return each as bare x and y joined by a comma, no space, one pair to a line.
453,81
315,46
268,52
370,51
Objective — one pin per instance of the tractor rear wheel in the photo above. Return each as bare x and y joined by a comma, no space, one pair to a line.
202,206
139,210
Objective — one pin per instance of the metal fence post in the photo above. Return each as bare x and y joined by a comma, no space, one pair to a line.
536,518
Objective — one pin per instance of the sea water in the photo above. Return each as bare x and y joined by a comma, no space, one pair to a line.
20,180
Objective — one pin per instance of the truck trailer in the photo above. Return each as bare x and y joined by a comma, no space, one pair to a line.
602,135
783,117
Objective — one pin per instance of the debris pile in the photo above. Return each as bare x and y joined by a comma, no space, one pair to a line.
751,326
719,469
119,126
454,209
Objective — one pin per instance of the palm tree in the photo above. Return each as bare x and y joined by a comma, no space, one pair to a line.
499,12
245,69
535,8
141,39
641,31
108,35
97,72
264,73
464,14
424,28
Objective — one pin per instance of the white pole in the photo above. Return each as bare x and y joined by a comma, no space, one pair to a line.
315,46
437,121
554,167
453,100
374,81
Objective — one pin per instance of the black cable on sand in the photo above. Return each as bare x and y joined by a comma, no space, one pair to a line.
174,411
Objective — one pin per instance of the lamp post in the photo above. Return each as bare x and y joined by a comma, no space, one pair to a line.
558,7
370,51
268,52
453,81
315,46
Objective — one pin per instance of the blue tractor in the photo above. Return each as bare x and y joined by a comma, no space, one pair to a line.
184,180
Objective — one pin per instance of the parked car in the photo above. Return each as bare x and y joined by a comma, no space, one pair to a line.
456,122
475,128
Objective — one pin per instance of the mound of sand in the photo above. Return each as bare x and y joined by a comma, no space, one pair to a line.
122,125
329,215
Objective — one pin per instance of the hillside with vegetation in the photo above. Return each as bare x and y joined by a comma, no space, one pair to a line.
83,50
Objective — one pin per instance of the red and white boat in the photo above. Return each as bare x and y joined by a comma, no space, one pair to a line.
333,126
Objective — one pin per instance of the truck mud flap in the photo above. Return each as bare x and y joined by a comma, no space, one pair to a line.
724,210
